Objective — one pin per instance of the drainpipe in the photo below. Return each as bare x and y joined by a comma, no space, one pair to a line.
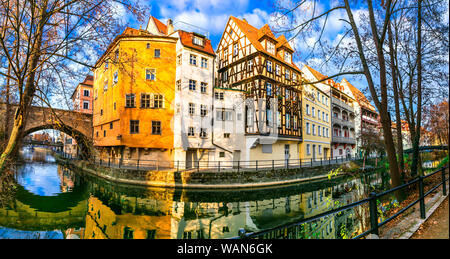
212,117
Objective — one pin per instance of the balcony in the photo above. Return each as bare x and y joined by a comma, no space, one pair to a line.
341,104
343,140
349,124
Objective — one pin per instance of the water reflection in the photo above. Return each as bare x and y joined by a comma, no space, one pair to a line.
52,198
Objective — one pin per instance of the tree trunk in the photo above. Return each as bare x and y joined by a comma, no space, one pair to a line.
416,140
397,105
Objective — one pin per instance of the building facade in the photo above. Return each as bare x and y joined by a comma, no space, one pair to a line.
366,116
342,114
316,143
258,65
134,92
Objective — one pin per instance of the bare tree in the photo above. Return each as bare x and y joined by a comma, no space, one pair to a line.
42,42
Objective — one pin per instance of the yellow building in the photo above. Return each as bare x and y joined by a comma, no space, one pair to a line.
316,124
134,89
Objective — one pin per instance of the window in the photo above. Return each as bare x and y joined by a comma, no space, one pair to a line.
114,106
179,59
145,100
269,66
157,53
327,133
192,85
313,111
277,70
221,154
148,45
204,63
307,109
225,76
193,60
318,131
323,116
134,126
179,85
150,74
235,49
101,112
308,131
106,64
104,133
271,47
156,127
224,115
197,41
105,86
279,119
287,57
269,89
218,96
294,77
203,110
314,129
129,101
287,94
250,65
203,133
308,149
110,125
191,132
226,135
287,74
295,122
158,101
86,93
327,116
203,87
86,105
116,77
288,120
191,109
269,119
323,132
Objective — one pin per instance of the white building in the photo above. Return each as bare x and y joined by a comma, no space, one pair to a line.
193,95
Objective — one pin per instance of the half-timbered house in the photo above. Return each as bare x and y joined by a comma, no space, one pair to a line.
259,66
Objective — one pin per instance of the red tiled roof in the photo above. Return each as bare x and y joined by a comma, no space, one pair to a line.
282,42
360,97
162,28
186,39
253,34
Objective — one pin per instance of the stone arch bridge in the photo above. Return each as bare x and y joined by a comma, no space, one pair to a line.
76,124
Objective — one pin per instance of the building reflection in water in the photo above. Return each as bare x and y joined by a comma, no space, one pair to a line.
156,215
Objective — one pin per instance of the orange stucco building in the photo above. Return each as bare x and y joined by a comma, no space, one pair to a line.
134,89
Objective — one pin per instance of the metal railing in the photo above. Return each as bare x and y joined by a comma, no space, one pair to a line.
292,229
342,122
342,104
335,139
219,166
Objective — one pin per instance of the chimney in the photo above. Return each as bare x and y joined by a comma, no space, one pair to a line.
169,26
244,20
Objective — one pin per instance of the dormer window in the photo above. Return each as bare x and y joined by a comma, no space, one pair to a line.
270,47
197,41
287,56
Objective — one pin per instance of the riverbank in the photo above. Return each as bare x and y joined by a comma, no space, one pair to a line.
207,180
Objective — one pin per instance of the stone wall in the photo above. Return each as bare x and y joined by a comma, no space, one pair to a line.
203,179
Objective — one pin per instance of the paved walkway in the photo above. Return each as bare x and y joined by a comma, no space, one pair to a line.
436,226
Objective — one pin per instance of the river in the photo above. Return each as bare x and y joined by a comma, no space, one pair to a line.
53,202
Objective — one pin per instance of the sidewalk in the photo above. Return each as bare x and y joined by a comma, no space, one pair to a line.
436,226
